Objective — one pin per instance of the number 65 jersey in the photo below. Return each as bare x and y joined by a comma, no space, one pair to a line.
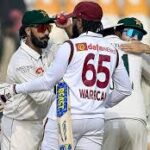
93,64
87,65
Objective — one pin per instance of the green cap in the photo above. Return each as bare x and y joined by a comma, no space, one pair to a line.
133,23
36,17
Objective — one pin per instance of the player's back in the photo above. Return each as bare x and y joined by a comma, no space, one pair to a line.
88,74
132,106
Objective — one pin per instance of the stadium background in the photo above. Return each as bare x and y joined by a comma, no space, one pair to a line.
11,12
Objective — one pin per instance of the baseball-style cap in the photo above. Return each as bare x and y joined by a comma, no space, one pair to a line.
133,23
36,17
87,10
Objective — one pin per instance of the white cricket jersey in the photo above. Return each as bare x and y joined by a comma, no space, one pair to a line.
133,106
25,65
146,67
88,76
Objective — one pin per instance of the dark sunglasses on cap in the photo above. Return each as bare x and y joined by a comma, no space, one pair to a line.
41,28
134,32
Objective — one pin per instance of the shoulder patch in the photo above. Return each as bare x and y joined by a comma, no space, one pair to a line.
81,46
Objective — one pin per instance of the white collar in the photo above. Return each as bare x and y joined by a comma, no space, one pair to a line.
29,50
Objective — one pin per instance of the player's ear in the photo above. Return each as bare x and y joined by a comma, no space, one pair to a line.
28,31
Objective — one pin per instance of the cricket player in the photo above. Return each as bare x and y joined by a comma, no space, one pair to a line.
140,48
125,126
22,122
87,64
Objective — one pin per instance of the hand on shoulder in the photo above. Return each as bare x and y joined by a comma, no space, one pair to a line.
135,47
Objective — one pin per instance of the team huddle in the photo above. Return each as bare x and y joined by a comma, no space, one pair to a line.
78,95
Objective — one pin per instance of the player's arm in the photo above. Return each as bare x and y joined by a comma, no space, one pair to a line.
53,74
135,47
122,86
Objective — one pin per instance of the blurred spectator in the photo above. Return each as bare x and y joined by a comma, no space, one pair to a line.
10,16
11,25
8,5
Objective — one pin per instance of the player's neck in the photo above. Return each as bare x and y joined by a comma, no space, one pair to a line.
35,48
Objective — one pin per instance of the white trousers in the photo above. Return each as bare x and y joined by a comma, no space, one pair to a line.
87,134
21,135
125,134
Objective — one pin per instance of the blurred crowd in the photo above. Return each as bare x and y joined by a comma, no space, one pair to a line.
11,13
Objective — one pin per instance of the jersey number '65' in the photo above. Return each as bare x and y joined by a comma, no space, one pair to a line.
100,69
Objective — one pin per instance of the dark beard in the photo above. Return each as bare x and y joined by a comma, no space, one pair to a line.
75,32
40,43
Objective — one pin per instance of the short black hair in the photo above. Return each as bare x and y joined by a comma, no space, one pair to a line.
22,32
108,31
120,28
94,26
